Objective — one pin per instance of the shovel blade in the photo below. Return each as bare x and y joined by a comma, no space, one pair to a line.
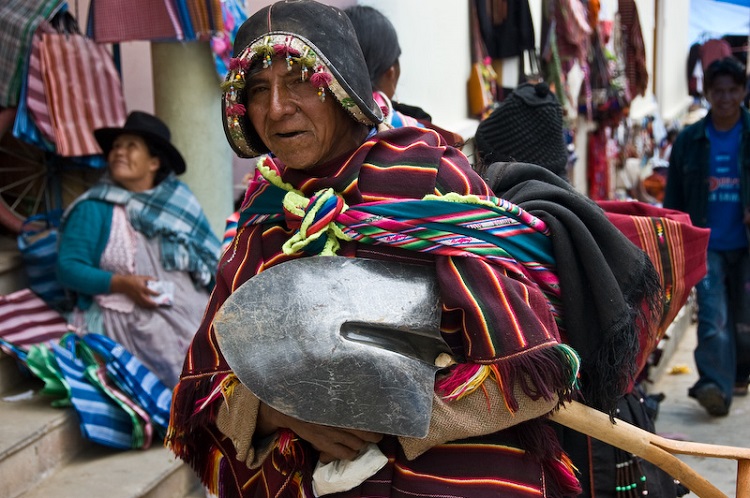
337,341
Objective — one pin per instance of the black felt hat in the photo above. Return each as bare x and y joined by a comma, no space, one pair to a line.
526,127
152,129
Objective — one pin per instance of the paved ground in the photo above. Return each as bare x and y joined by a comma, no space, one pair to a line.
683,418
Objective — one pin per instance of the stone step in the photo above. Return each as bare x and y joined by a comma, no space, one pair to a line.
43,453
105,472
35,440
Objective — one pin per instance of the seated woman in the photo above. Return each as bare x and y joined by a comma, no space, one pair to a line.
299,95
137,227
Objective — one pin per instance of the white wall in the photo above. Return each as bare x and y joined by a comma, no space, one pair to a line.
671,53
435,56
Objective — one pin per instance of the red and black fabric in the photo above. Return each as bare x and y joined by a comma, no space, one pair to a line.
372,173
116,21
608,285
636,71
676,247
613,243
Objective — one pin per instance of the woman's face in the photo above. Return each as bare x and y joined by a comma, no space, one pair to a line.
293,123
131,164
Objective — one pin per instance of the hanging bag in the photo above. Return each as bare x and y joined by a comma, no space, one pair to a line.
482,85
83,90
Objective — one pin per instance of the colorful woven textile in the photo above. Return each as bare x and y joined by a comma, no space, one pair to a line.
26,319
140,384
610,290
400,164
83,91
172,211
101,419
676,248
452,225
115,21
18,21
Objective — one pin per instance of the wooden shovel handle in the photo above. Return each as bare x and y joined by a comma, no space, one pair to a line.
656,449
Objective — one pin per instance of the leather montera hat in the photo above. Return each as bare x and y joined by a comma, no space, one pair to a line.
319,38
526,127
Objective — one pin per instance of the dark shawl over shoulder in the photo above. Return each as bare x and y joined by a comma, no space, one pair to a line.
610,289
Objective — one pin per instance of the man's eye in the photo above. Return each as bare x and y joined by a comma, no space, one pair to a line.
255,90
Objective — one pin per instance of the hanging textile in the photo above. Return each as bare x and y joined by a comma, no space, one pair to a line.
598,167
205,16
506,26
222,42
36,100
712,50
635,52
83,91
116,21
18,21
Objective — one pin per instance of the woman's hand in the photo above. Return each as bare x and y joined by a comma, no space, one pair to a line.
333,443
135,287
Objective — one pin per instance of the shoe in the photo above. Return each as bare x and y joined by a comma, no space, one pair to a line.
740,388
711,398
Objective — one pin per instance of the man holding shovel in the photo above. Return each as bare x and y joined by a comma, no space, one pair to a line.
332,180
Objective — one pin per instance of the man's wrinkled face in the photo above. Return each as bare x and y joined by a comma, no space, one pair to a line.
292,121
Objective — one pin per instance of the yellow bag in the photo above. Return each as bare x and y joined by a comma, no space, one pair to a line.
480,88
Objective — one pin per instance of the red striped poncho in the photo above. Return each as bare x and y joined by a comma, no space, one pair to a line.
490,317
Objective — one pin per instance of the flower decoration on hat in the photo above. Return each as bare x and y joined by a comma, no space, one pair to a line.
294,51
321,79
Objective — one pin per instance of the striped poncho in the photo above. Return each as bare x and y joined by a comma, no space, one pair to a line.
496,317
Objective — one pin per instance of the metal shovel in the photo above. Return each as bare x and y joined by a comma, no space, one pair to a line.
338,341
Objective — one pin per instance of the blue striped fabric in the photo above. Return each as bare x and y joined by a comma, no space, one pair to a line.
134,378
101,420
38,248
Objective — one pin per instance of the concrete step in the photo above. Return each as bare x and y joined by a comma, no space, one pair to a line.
42,454
104,472
35,440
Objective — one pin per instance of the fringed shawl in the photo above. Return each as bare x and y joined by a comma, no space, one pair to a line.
494,314
171,212
610,290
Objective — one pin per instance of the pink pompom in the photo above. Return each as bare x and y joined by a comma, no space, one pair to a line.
321,79
238,63
235,110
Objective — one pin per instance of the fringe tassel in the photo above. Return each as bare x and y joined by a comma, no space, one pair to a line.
563,473
464,379
289,447
211,475
541,374
223,387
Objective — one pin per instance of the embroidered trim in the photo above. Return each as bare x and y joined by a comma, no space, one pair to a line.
294,50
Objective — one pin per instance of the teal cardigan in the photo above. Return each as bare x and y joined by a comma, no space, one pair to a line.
82,241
